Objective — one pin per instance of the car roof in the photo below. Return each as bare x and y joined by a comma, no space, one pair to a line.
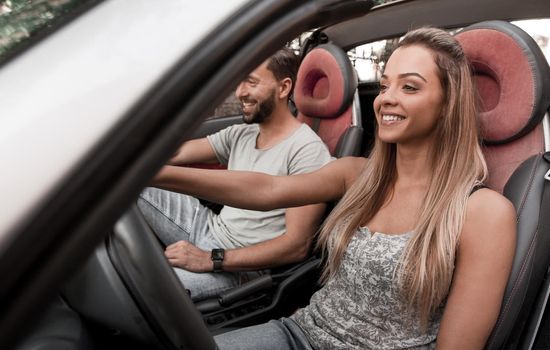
395,18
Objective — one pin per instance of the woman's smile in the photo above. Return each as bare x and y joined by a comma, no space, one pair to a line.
391,119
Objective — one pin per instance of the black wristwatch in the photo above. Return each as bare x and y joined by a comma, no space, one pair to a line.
217,256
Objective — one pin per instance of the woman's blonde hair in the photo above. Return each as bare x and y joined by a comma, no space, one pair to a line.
427,263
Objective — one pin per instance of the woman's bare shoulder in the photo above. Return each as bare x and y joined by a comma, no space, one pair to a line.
489,215
486,201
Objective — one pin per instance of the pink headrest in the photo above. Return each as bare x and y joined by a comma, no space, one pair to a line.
512,78
325,83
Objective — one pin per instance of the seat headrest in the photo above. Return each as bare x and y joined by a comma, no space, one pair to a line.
325,83
512,77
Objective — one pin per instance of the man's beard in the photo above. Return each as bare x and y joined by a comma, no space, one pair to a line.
263,110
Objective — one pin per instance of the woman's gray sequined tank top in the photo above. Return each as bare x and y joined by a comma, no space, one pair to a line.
360,308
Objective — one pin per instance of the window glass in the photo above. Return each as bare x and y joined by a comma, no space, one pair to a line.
538,29
230,106
369,59
23,20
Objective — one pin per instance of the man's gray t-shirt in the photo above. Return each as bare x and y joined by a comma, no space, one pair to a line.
235,147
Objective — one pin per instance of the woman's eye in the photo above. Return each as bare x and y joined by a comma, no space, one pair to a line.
382,87
409,88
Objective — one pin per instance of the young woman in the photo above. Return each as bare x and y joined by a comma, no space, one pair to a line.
418,253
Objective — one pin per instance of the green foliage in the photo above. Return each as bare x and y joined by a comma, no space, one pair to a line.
380,2
20,20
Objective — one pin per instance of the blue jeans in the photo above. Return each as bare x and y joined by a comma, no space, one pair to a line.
174,217
282,334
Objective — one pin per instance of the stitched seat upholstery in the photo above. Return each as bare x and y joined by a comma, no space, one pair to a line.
326,99
513,81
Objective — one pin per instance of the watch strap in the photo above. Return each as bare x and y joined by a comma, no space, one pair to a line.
217,256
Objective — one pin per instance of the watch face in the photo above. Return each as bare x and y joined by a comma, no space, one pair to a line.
217,254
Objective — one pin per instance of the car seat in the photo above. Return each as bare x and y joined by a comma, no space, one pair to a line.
326,99
513,81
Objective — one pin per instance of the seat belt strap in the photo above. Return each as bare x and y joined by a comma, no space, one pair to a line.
315,124
546,157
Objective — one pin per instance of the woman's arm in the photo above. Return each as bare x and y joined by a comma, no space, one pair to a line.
483,264
257,191
194,151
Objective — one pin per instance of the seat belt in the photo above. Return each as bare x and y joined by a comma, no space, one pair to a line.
315,124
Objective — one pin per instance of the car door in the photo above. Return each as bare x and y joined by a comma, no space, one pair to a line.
141,78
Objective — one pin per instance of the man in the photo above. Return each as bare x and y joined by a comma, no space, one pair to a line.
212,252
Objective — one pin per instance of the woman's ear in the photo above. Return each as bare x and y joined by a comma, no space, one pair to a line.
285,86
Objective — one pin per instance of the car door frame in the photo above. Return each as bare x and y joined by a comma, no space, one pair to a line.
63,230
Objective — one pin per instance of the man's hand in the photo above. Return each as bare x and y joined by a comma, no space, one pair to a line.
187,256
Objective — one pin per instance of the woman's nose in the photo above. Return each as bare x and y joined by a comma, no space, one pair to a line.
388,97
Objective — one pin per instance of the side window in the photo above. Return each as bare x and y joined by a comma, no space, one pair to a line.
369,59
21,21
229,107
539,30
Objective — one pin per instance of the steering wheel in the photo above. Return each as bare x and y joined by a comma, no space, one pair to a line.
129,287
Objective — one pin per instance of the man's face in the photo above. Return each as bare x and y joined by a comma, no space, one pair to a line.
257,94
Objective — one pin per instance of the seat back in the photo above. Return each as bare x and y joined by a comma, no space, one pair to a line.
513,81
326,98
512,78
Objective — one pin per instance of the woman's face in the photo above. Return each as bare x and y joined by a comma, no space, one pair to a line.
410,101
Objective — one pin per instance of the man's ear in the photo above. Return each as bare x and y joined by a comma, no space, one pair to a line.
285,86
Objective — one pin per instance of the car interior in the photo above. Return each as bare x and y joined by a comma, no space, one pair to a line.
324,96
127,294
512,78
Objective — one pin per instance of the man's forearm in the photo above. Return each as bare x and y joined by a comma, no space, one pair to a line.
293,246
263,256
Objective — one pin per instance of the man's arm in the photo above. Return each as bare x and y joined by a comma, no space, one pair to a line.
292,246
194,151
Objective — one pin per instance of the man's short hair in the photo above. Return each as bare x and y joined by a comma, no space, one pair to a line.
284,64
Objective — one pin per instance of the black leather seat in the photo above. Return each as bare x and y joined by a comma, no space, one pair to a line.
513,80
